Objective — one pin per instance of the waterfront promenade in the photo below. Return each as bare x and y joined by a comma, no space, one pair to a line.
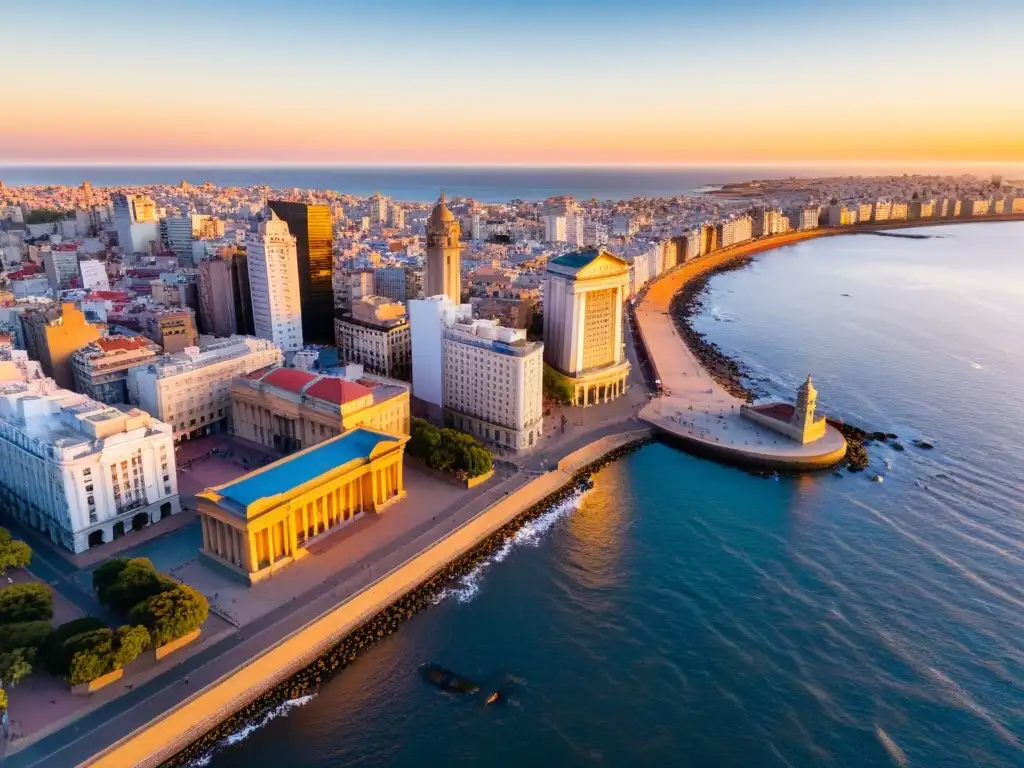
695,409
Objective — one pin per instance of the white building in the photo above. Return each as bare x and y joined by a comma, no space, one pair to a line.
94,275
379,205
135,222
575,227
494,383
428,319
191,390
554,228
274,284
595,234
80,471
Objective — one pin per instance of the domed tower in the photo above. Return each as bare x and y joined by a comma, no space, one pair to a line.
444,269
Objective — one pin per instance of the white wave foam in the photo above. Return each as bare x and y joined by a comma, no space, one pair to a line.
467,586
246,731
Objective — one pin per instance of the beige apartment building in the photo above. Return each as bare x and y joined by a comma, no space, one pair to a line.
494,383
376,335
289,409
191,390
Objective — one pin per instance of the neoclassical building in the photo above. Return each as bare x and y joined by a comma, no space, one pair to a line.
263,521
583,300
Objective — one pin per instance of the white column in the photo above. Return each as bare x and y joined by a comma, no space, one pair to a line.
580,330
618,357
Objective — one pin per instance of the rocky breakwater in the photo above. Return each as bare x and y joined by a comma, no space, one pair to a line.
307,681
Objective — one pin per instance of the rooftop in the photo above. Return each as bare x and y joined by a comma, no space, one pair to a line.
294,471
333,389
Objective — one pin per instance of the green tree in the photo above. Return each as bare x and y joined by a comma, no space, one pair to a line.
26,602
24,634
3,699
13,553
171,614
56,657
44,216
556,387
16,665
130,642
90,655
105,576
423,439
138,581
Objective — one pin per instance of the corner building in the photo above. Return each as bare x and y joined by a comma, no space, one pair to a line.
583,298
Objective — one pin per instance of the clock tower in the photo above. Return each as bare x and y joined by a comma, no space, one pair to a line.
444,268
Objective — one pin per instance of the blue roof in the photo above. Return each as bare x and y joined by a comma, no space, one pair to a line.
293,471
577,259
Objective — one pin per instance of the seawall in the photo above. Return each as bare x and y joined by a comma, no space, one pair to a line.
317,643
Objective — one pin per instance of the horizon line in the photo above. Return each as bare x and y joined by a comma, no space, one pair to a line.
530,165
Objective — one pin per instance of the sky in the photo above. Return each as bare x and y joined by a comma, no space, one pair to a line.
562,82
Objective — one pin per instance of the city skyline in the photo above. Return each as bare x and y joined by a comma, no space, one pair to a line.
431,84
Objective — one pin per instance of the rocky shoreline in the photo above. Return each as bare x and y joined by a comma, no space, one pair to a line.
308,680
686,305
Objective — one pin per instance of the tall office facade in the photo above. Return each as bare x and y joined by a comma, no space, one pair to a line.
274,281
310,225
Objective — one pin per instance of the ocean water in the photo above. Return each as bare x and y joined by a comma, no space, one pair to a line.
686,613
421,184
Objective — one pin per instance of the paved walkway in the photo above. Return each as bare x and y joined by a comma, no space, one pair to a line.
695,407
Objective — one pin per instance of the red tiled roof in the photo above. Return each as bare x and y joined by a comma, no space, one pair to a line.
336,390
258,374
112,343
108,296
290,379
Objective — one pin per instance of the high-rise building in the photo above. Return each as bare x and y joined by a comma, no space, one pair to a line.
351,285
190,390
310,225
396,216
53,335
275,282
583,299
494,384
81,471
135,222
554,228
379,205
224,309
575,227
444,263
61,265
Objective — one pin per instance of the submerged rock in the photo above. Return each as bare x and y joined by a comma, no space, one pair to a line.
924,445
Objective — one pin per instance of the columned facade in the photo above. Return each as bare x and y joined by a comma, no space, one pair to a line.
257,534
583,307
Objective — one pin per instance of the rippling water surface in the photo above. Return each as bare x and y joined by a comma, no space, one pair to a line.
685,613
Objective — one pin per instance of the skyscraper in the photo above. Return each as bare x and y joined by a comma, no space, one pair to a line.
444,270
274,281
310,225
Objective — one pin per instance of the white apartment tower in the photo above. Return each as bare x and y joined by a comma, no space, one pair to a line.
274,284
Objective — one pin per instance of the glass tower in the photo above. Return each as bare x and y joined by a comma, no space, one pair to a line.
310,225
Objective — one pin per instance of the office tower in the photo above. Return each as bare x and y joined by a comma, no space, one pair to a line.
274,280
310,225
379,209
583,299
444,268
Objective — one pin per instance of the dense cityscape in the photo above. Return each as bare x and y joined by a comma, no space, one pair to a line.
268,366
